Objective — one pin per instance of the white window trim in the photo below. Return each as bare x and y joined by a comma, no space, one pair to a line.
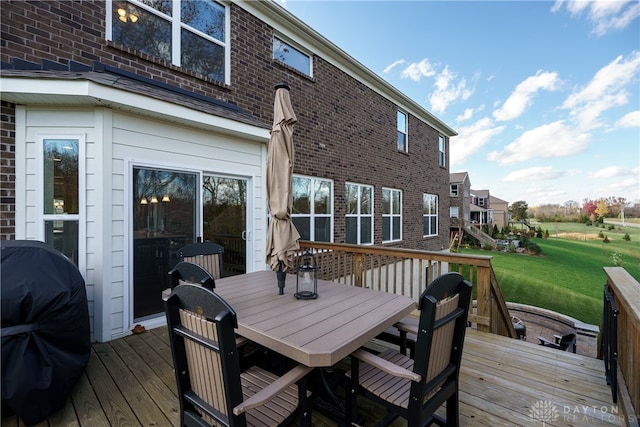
359,215
393,215
312,215
299,48
405,132
39,203
431,214
176,26
455,193
442,151
454,212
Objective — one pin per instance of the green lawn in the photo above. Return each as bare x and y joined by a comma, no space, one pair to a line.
568,277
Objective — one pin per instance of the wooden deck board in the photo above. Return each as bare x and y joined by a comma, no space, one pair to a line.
131,382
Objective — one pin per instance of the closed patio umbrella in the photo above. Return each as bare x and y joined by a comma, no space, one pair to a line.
282,236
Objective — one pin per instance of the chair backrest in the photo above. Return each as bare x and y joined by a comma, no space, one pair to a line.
567,340
443,320
205,254
202,337
189,272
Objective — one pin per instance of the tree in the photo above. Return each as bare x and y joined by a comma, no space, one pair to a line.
602,208
589,207
519,210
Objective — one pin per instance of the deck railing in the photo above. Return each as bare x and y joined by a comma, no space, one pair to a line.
625,291
407,271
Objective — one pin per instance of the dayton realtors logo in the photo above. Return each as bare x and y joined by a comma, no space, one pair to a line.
547,412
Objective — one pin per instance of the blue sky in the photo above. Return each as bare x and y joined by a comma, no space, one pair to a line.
545,96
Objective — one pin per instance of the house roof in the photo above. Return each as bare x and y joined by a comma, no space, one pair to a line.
494,199
458,177
106,89
480,193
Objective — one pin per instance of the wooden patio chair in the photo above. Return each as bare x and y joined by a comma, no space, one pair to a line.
415,388
560,342
206,254
211,388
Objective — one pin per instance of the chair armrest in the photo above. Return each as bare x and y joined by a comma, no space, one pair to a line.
557,338
385,365
545,342
407,327
273,389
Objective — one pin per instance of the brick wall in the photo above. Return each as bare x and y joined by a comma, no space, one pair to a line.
7,171
345,131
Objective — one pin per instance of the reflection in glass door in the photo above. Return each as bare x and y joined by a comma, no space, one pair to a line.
164,219
224,219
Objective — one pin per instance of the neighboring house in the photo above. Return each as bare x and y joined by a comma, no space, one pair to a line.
460,199
481,208
500,212
129,130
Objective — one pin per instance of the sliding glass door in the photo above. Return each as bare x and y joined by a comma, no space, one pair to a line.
164,219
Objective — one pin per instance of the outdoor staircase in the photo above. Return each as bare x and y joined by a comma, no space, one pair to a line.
480,235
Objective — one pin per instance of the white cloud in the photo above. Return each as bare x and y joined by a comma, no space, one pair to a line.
521,98
468,113
471,138
417,70
605,15
534,173
390,67
605,91
629,120
610,172
547,141
448,91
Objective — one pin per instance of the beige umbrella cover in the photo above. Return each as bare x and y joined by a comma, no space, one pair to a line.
282,236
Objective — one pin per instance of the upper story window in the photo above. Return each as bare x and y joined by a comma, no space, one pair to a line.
295,58
62,193
454,212
480,201
312,212
402,132
429,214
191,34
453,190
442,157
391,215
359,213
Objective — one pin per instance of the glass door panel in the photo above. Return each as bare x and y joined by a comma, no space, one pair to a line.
164,220
224,219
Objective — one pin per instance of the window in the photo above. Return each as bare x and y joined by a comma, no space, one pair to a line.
402,132
312,212
291,56
442,158
391,215
480,201
453,190
453,212
191,34
61,172
359,213
429,214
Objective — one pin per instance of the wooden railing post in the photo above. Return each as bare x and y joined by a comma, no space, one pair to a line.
484,299
358,270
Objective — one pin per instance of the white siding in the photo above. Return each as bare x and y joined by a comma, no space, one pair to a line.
115,142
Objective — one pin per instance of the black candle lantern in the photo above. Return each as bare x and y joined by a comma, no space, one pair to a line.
307,277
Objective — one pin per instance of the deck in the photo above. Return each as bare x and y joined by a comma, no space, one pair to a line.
503,382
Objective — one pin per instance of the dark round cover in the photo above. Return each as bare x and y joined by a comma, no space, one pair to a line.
45,329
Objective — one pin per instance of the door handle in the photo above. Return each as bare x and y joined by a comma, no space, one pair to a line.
244,235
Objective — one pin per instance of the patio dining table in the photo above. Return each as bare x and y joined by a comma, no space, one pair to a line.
317,332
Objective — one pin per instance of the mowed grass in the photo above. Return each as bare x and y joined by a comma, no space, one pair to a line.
568,277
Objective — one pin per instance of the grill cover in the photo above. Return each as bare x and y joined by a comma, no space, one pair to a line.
45,329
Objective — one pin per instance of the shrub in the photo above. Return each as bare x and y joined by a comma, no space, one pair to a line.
606,239
617,258
601,235
546,234
626,237
611,227
487,246
533,248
